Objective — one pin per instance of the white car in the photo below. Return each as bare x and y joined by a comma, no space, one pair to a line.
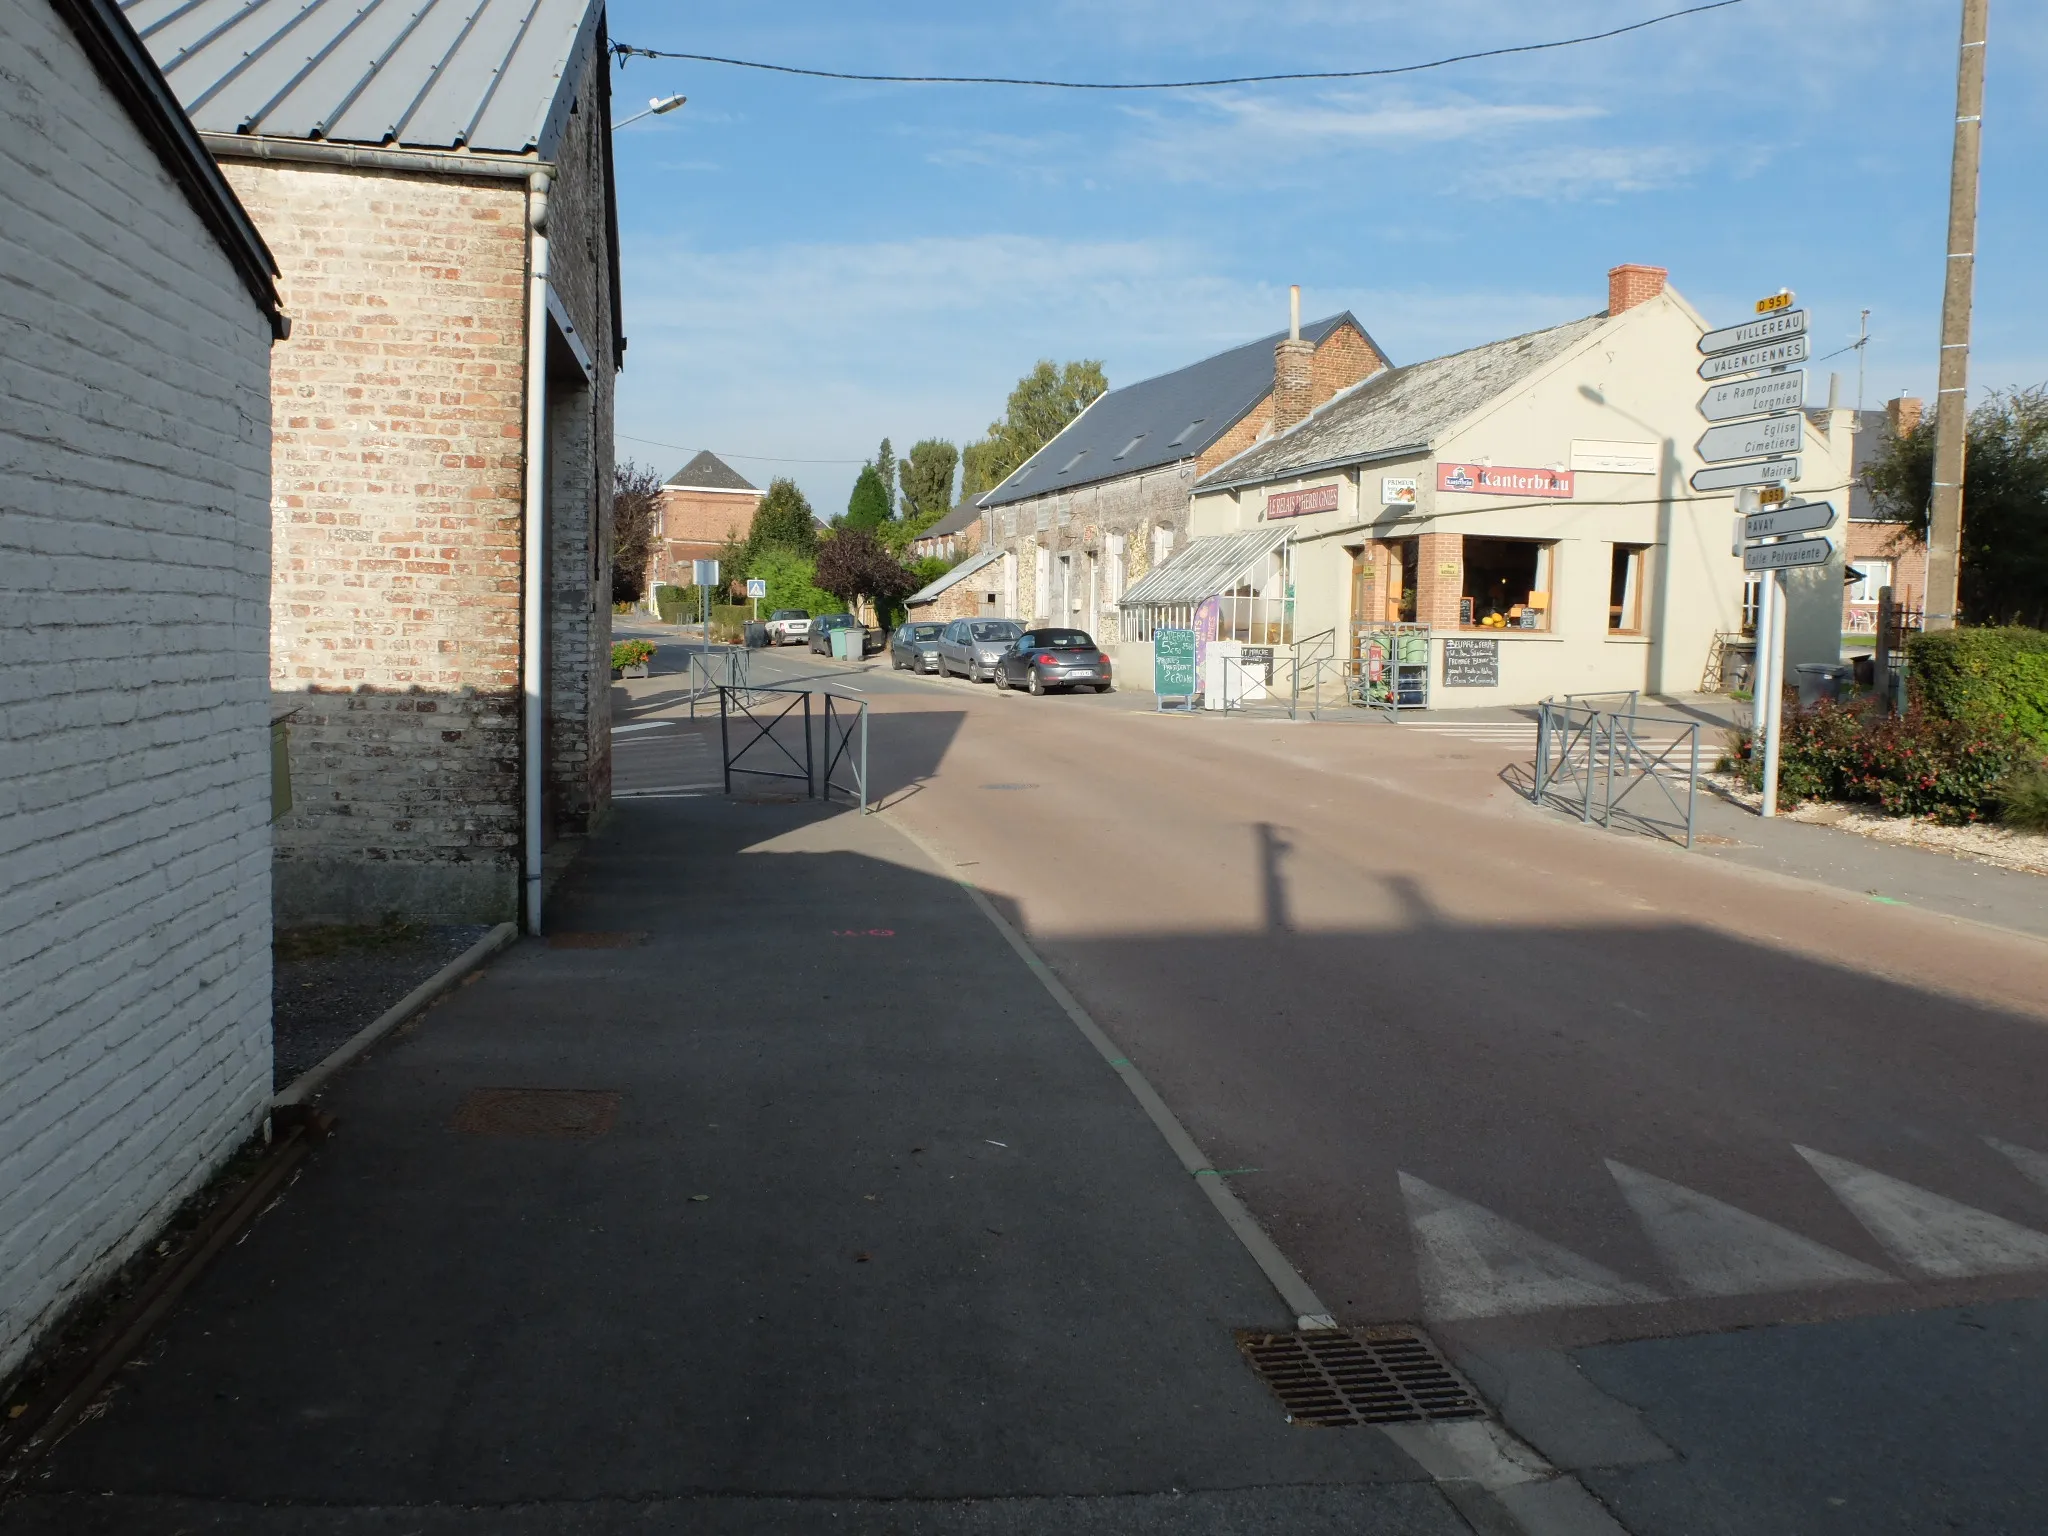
789,626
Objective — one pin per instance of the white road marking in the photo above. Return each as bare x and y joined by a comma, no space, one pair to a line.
645,725
1715,1249
1473,1263
1928,1232
2033,1164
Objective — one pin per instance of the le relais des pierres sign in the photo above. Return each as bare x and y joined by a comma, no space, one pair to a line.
1505,480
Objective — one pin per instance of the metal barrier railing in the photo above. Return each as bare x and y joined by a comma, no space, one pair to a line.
754,714
1594,760
712,672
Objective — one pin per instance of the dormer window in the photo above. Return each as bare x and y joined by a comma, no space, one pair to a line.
1187,432
1077,458
1133,443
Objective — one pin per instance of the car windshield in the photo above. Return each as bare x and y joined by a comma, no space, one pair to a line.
788,613
1060,640
922,631
999,629
834,620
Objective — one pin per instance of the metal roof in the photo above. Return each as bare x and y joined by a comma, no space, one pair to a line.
959,573
1205,568
960,517
491,75
1159,420
708,472
1403,408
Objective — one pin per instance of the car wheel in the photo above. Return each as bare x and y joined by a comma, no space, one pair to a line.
1102,687
1037,685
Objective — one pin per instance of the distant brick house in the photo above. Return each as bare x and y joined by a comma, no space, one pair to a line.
960,533
438,191
702,505
139,312
1107,500
1881,553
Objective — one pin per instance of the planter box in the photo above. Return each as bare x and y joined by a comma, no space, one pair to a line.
639,671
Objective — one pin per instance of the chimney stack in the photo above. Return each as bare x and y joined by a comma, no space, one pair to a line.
1631,284
1904,415
1293,369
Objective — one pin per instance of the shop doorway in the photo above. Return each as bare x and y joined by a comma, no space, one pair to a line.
1404,564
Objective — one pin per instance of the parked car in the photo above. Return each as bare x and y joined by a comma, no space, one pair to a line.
823,625
973,646
915,647
788,626
1054,658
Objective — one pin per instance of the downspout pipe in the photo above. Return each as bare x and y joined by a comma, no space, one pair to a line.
534,540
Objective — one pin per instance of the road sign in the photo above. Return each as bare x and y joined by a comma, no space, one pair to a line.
1782,299
1750,332
703,573
1726,477
1750,439
1792,517
756,587
1772,354
1790,555
1753,397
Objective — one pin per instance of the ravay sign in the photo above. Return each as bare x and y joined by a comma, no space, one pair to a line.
1505,480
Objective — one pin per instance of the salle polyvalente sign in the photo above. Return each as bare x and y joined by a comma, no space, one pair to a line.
1505,480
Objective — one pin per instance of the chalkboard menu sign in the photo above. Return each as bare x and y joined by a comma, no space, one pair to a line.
1257,661
1173,663
1471,663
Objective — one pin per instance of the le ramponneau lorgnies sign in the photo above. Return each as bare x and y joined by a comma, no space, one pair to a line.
1317,498
1505,480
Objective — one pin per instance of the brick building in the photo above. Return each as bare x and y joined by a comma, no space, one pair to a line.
1881,553
960,533
437,185
134,575
1107,499
702,505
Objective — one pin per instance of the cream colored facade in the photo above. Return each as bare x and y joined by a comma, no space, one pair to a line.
1627,390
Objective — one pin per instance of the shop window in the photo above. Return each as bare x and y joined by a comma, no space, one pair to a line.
1625,590
1752,602
1507,584
1258,607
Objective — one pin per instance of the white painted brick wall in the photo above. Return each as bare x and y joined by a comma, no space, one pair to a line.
134,734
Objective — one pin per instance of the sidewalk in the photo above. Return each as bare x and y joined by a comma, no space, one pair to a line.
773,1194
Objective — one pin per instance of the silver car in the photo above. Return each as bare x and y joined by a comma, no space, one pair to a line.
972,647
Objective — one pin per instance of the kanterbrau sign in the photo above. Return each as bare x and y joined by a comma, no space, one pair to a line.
1505,480
1319,498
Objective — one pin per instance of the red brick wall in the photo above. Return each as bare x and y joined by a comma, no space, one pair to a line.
1343,358
1441,579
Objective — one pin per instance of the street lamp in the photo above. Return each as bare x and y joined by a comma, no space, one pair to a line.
656,105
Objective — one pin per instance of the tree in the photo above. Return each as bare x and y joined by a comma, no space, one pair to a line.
783,520
927,477
2004,578
791,579
854,564
885,466
636,496
868,506
1039,408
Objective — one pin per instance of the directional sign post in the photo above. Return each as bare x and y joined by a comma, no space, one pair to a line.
1791,322
1792,517
1747,439
1788,555
1728,477
1753,397
1771,354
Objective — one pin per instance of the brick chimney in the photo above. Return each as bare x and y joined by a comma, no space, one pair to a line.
1631,284
1294,390
1904,415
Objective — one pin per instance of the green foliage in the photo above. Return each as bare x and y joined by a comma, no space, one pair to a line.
885,466
631,653
1915,764
1993,677
927,477
636,494
783,520
927,569
853,564
868,506
1039,408
790,583
2023,801
677,605
2004,575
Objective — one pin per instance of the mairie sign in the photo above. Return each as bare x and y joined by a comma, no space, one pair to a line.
1751,439
1748,334
1727,477
1753,397
1772,354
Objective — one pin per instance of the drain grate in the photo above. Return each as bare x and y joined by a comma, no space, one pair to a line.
573,1112
1329,1377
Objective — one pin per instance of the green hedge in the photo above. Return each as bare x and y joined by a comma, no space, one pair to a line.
1985,677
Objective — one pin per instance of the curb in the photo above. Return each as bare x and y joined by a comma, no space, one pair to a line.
314,1079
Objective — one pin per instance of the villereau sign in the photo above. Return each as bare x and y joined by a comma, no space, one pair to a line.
1504,480
1317,498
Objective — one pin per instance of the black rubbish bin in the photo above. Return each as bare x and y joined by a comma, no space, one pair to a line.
757,634
1823,681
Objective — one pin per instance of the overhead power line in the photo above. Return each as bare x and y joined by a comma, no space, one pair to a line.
627,50
765,458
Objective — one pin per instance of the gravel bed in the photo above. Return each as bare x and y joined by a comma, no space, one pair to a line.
320,1000
2023,851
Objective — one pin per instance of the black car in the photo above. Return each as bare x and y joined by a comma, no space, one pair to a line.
822,627
1043,659
915,647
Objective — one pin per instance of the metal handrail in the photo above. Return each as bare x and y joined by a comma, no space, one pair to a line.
707,664
857,764
845,738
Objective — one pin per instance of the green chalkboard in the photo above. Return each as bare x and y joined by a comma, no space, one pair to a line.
1173,663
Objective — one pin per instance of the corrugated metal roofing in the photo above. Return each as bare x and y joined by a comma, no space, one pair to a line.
959,573
1204,568
1159,420
960,517
708,472
1401,408
426,74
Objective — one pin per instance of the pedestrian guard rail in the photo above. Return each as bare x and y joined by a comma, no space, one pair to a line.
716,672
1602,757
779,733
1390,674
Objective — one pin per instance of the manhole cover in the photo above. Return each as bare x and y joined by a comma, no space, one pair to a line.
1330,1377
595,940
577,1112
1009,786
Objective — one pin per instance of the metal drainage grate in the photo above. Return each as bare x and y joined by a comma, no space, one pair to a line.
596,940
573,1112
1327,1376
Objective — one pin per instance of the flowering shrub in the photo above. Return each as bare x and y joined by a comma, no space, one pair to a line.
631,653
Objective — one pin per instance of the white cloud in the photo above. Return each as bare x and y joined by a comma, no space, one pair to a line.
1572,172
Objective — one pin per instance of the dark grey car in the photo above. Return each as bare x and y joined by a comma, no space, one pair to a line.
915,647
1043,659
821,632
972,647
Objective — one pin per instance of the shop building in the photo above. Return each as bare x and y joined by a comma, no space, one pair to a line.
1527,501
701,506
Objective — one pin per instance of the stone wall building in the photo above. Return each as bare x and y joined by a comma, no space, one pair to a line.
703,504
134,708
438,190
1107,500
960,533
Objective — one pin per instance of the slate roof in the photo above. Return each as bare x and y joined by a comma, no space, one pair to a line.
959,573
1401,409
1159,420
1205,567
494,75
708,472
959,518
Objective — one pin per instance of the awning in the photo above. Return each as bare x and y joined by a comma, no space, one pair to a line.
1205,568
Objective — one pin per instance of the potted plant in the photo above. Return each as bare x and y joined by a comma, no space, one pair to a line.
630,657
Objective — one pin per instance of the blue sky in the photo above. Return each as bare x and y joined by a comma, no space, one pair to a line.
810,265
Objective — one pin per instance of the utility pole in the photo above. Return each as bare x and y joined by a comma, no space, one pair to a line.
1952,404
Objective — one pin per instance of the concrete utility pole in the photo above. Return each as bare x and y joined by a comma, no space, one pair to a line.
1952,405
